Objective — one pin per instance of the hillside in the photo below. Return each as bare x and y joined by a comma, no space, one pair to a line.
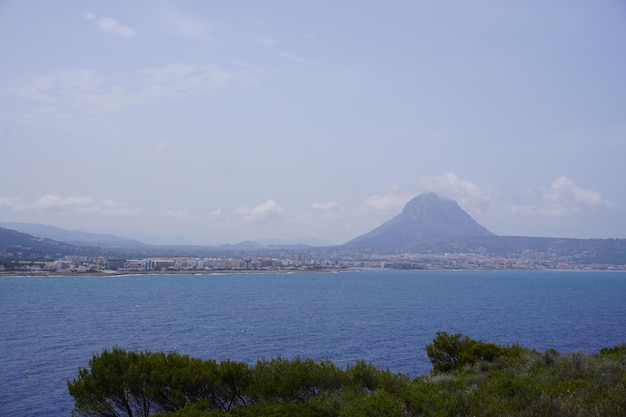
14,244
74,237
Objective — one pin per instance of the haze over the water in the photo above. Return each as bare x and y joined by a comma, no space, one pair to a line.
231,121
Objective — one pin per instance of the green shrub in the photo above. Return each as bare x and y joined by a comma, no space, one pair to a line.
488,380
377,404
446,350
294,380
618,351
453,352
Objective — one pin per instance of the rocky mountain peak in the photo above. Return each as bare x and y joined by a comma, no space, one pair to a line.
427,217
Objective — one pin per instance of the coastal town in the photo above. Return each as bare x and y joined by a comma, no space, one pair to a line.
101,265
431,233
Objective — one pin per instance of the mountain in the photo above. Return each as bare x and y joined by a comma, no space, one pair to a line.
430,224
14,244
73,237
427,218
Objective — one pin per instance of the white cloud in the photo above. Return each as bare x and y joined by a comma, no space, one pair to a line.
563,198
265,40
385,203
110,25
565,191
470,196
464,192
51,201
113,26
264,210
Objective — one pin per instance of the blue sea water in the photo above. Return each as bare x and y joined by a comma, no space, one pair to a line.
49,327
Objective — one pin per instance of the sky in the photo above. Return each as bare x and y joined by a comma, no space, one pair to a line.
215,122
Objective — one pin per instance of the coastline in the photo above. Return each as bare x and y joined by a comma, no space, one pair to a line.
110,273
113,274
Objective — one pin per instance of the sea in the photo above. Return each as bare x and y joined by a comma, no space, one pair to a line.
51,326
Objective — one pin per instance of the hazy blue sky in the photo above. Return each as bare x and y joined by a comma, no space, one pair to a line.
226,121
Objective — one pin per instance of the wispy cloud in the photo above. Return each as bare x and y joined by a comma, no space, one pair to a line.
262,211
73,204
78,86
12,203
176,213
95,92
180,80
110,25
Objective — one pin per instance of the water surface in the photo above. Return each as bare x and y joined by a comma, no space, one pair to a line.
49,327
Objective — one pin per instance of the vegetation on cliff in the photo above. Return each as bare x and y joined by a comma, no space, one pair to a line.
469,378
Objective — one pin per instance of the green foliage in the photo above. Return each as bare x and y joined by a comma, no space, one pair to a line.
445,353
377,404
481,351
487,380
293,381
234,383
453,352
616,351
102,390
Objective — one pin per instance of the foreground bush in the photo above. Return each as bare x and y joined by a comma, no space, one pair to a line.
453,352
469,378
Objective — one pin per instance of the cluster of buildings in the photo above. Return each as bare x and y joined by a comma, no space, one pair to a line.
86,265
199,264
99,264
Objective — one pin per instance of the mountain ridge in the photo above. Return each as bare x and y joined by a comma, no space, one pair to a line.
73,237
428,226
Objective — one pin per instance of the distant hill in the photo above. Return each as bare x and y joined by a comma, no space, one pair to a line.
14,244
428,226
32,240
74,237
426,218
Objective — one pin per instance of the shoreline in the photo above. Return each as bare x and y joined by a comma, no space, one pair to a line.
109,273
112,274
